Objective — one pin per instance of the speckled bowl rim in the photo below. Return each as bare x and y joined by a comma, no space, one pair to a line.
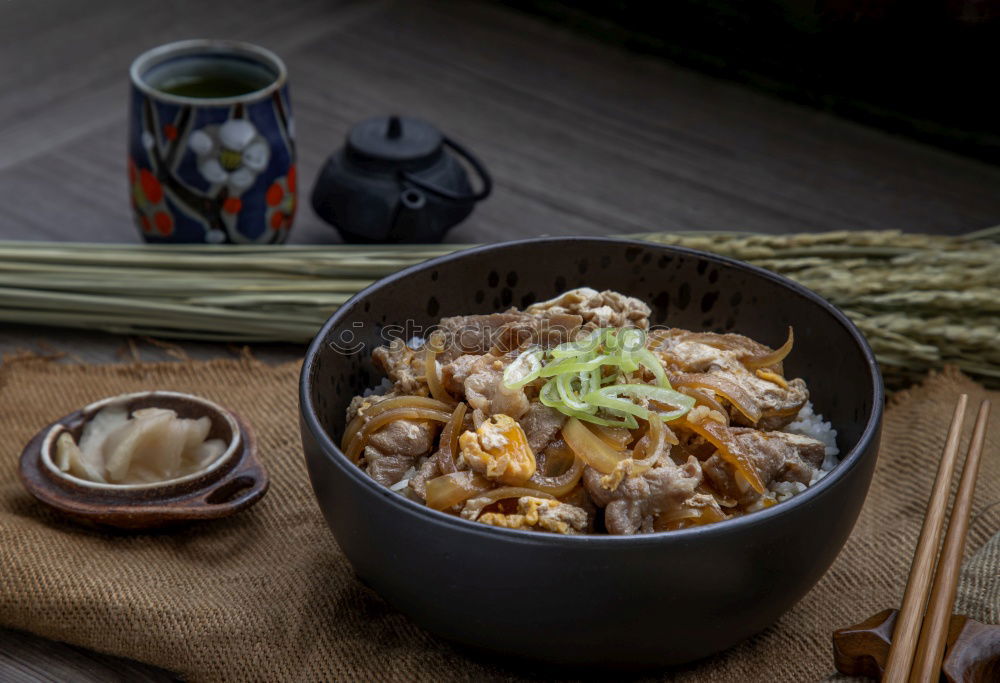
90,410
731,527
154,56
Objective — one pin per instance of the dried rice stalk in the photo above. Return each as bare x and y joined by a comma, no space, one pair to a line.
922,300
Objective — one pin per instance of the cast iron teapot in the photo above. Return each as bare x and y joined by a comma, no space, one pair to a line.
395,181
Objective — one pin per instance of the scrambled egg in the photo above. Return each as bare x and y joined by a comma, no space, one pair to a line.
499,451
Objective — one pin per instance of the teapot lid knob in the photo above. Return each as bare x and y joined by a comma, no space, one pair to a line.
394,141
395,127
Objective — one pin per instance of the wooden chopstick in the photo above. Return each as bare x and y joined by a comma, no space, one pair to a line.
904,635
934,632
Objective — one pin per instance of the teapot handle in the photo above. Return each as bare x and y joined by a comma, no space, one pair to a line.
477,166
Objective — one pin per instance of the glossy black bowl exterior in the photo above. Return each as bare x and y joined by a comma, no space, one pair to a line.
621,601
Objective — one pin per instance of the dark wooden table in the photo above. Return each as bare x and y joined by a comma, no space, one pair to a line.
581,138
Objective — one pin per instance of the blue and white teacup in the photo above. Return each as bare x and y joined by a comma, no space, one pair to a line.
211,148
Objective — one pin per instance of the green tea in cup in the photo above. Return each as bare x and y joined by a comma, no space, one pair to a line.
213,78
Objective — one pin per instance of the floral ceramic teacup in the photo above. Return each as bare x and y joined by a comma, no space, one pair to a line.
211,150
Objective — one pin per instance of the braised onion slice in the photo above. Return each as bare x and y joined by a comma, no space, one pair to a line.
454,488
787,412
360,440
685,517
555,459
351,430
354,426
719,436
434,346
560,485
651,445
672,516
617,437
449,439
476,505
772,377
724,387
774,357
591,448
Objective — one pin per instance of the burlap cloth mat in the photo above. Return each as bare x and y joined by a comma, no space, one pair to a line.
266,595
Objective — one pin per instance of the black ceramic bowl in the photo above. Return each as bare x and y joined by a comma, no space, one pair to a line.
634,601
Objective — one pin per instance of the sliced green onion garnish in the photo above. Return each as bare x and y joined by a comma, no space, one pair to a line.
564,383
653,364
631,339
579,384
609,397
628,343
616,404
549,395
524,369
593,382
627,421
586,346
575,364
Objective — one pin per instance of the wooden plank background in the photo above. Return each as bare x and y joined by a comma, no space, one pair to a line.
581,138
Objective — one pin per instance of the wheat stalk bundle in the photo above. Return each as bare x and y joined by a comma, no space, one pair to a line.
922,300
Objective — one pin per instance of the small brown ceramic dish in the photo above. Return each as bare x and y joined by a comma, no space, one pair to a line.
233,482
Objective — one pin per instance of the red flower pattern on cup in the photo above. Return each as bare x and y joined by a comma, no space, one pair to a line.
149,201
280,198
232,205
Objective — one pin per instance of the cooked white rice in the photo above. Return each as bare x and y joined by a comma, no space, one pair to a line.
783,490
807,423
405,481
810,423
382,387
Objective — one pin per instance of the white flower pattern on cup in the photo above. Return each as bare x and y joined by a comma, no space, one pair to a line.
232,154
